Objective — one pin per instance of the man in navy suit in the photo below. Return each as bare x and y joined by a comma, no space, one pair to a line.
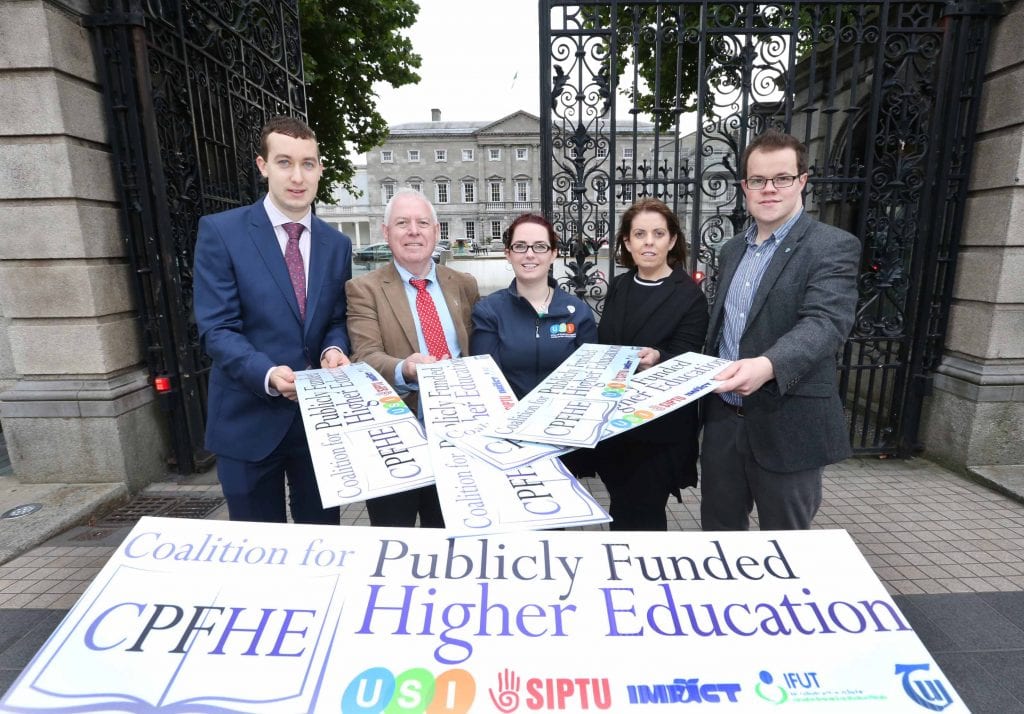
785,306
269,301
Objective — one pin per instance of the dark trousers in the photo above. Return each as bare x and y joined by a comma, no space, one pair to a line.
401,509
732,482
255,490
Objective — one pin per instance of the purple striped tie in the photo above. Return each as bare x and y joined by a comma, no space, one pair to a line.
293,259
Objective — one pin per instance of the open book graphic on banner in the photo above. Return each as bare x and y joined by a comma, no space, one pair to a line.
477,497
364,440
144,638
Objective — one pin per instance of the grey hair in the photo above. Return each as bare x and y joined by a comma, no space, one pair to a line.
406,191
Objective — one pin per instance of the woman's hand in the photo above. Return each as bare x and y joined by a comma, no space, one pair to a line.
648,358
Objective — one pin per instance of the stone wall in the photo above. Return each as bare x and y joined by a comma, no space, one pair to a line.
77,405
975,415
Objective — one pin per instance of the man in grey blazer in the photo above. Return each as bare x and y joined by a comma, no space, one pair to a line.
785,306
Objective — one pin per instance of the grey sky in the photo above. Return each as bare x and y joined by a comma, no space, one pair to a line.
471,51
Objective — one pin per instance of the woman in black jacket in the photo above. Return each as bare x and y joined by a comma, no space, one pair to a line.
656,306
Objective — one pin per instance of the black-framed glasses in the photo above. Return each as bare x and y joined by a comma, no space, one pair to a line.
756,183
537,248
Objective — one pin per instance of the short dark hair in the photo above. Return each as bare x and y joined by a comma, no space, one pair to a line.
289,126
676,254
775,140
506,237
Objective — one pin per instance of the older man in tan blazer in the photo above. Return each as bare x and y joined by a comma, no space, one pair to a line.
405,313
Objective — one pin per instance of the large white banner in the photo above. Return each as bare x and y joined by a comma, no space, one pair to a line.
476,497
655,392
571,405
212,616
364,440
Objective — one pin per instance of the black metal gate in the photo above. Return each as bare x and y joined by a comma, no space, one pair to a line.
660,99
188,85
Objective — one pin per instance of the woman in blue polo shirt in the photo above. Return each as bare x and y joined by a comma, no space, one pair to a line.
530,327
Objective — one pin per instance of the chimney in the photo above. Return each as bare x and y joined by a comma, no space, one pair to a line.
435,115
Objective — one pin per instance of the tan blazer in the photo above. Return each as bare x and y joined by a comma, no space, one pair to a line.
380,324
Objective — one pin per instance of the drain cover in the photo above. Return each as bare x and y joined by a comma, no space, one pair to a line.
168,505
23,510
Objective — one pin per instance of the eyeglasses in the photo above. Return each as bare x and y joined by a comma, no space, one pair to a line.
756,183
537,248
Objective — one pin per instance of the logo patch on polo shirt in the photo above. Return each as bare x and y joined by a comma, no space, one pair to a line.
563,329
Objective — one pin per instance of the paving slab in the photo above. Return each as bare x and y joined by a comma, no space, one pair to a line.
61,506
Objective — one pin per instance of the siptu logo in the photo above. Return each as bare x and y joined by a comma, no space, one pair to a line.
549,693
414,691
928,693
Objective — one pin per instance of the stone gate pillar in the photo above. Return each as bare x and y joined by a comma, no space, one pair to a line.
77,406
975,416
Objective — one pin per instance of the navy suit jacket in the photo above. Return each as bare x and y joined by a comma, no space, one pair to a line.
800,317
248,320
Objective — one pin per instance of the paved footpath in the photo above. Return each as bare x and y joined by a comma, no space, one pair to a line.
950,551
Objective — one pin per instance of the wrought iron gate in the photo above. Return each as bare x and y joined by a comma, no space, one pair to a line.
660,99
188,86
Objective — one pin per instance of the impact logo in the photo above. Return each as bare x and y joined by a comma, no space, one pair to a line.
547,694
634,418
414,691
613,390
928,693
563,329
683,691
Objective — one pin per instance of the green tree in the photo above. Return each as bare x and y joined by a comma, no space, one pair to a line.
347,46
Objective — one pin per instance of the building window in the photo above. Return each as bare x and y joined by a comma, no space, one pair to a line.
468,192
467,154
494,191
470,230
440,154
494,154
443,226
441,191
416,186
602,152
522,153
522,191
495,230
387,156
414,154
387,191
627,152
627,192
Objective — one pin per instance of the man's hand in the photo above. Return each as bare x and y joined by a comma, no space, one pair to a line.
282,379
648,358
410,362
334,358
745,376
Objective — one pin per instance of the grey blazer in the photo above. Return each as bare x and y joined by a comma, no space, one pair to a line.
800,317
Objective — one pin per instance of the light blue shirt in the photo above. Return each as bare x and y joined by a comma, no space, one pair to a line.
447,323
745,283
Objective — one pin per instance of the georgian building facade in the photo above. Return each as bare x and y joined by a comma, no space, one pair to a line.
480,175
